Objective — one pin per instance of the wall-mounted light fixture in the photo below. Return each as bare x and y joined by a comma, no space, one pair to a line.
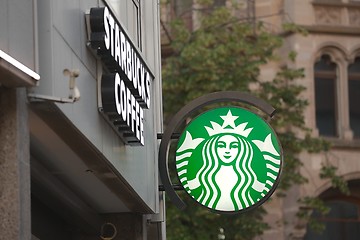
74,93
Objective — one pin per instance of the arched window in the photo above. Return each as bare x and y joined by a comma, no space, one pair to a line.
343,219
325,96
354,97
342,222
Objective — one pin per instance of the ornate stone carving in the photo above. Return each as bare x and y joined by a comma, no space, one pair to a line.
328,15
354,16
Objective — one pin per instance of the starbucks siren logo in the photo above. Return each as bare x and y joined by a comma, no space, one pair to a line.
228,159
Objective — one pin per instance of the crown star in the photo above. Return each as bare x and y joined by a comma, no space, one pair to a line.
229,120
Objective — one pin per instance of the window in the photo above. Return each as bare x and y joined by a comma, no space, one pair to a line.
337,94
219,3
343,219
184,10
354,96
342,222
128,12
325,96
134,25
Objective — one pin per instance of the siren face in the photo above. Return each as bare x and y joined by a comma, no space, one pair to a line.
229,160
227,148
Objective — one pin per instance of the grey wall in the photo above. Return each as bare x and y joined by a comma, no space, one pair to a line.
62,44
17,30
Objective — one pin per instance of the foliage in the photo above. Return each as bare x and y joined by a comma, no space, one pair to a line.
329,172
197,223
221,55
309,205
284,95
226,54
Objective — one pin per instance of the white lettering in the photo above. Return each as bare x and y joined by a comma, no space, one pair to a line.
112,24
141,80
137,119
132,90
117,45
117,95
106,25
129,62
129,109
135,73
133,113
141,126
138,69
123,52
148,82
128,106
123,100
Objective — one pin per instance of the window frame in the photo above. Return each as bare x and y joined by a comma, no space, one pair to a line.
135,36
328,76
341,59
353,77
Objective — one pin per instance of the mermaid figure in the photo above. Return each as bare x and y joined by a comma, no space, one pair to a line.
225,179
227,166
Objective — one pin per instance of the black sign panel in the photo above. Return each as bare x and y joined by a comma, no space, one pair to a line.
126,87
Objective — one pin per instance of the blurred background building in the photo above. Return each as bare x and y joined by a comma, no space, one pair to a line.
330,57
65,170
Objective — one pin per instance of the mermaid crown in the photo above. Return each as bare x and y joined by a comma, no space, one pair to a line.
228,126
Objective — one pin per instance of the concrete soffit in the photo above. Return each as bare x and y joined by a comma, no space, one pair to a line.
124,198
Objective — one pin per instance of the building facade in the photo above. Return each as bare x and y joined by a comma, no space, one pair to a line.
81,107
329,55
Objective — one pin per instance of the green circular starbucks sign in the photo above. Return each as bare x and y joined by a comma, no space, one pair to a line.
229,159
